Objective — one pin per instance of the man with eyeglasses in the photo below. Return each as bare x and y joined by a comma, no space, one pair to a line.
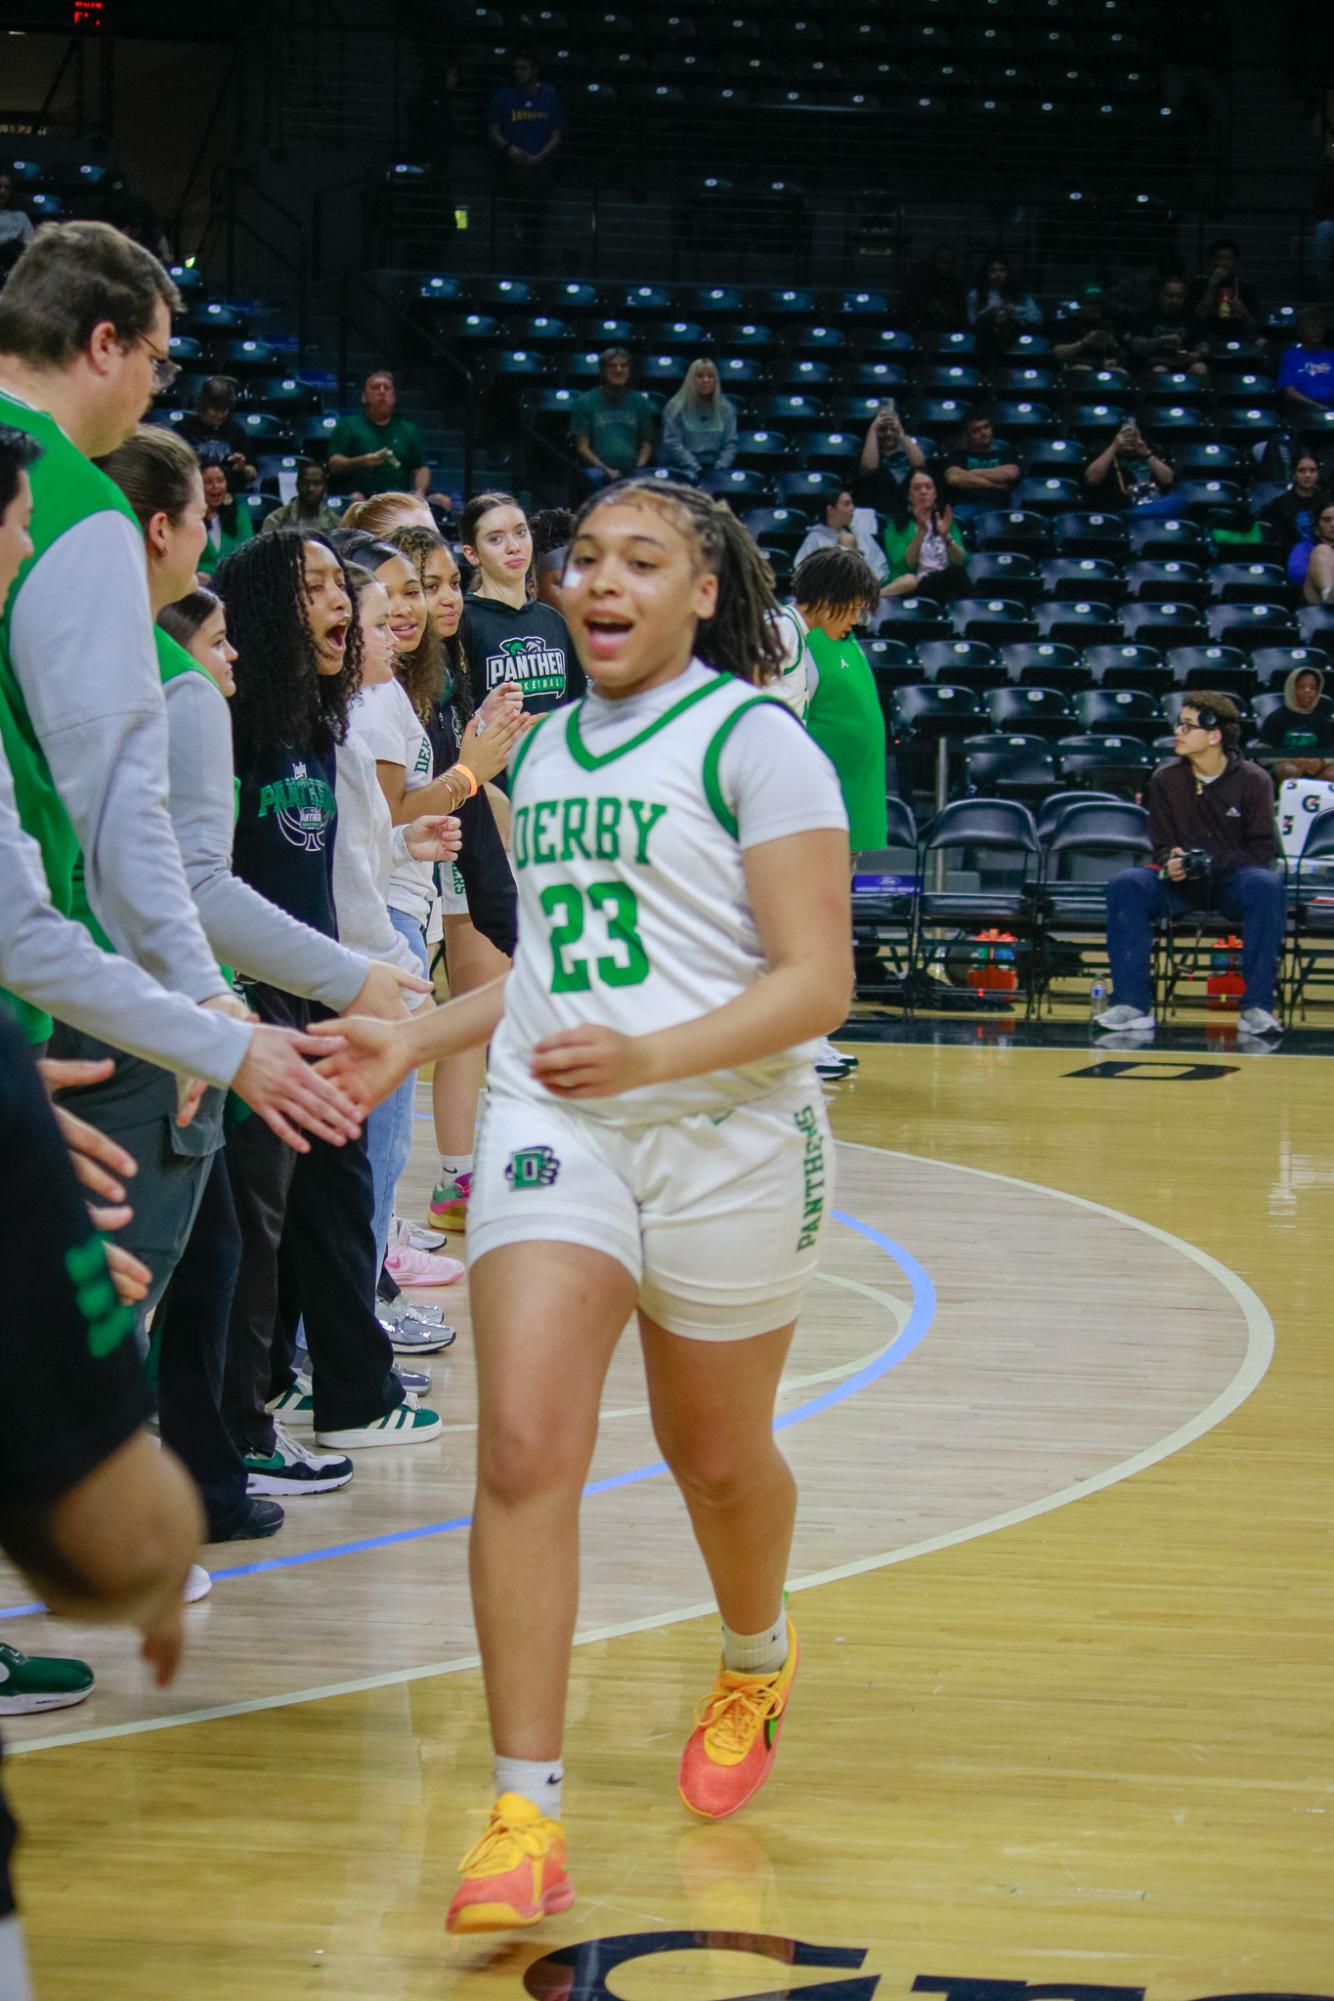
85,320
1211,821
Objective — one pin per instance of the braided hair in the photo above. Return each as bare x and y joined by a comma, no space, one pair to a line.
742,638
281,696
455,686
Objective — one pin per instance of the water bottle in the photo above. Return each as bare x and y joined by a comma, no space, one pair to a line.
1097,999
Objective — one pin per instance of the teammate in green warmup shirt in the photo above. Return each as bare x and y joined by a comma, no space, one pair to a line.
834,588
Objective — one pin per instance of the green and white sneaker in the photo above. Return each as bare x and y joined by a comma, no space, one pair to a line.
295,1408
292,1469
410,1424
42,1682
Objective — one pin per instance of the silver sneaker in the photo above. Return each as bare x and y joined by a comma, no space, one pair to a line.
1258,1021
1120,1019
416,1309
410,1336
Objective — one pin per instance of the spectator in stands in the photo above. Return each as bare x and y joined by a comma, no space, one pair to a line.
1306,372
1298,739
1131,473
226,519
925,549
1293,513
1164,338
1222,305
935,299
1208,801
308,509
999,308
15,226
214,431
376,451
979,472
889,456
1311,564
699,424
1089,340
612,425
526,125
846,526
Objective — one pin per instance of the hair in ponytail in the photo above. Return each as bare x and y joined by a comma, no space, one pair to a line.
156,471
742,638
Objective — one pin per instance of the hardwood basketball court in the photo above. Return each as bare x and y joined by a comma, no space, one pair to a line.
1060,1408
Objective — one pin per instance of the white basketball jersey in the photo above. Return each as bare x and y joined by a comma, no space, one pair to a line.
633,909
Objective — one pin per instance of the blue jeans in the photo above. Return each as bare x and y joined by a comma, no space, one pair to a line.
389,1127
1251,897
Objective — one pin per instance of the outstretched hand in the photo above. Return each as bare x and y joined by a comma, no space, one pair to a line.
369,1062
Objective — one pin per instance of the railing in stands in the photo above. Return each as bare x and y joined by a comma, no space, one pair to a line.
407,336
226,224
65,106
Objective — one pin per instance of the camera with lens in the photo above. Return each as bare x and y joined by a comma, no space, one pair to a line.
1196,865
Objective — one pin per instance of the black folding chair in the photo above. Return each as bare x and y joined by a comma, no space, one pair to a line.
1093,840
999,832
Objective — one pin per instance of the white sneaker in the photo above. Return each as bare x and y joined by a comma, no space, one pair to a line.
1258,1021
295,1408
420,1240
198,1584
292,1469
410,1424
832,1063
1123,1017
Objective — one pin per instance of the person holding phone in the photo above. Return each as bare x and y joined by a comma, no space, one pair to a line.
890,455
1130,473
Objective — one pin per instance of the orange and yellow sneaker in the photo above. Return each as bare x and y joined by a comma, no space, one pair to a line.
730,1752
515,1875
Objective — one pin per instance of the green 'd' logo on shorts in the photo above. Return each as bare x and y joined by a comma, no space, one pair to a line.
532,1167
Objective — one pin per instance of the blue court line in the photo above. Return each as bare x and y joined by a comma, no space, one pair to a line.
919,1320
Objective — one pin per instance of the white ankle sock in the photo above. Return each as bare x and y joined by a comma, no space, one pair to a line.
539,1780
452,1165
756,1653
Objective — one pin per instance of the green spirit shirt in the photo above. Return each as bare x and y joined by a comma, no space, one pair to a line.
354,436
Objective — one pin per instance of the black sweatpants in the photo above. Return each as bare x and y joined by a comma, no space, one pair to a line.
190,1347
311,1211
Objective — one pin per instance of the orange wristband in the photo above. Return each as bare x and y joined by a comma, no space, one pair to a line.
472,782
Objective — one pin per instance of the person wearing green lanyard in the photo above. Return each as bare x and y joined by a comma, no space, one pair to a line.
84,323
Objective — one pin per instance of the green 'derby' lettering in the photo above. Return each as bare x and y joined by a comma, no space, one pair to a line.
812,1167
608,829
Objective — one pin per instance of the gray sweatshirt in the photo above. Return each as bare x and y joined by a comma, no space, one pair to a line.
52,962
242,927
367,847
81,646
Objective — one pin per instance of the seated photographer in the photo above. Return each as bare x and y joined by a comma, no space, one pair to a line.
1211,821
1297,741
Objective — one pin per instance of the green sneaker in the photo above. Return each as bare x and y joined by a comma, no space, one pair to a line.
27,1686
448,1207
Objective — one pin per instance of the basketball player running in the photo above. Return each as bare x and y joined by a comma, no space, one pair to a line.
654,1140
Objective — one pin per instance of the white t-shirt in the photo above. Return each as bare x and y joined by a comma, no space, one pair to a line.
631,820
385,721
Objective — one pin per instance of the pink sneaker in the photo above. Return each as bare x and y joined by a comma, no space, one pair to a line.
412,1267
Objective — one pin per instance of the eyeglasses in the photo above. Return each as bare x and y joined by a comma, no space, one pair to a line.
165,370
1184,729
